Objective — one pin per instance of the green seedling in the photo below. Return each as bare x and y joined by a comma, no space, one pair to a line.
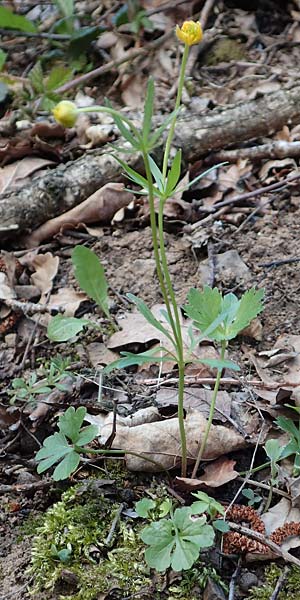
212,508
176,541
43,86
10,20
153,509
293,446
274,452
29,390
251,496
134,15
90,275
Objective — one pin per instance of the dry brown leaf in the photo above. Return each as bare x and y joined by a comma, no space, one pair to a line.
197,399
228,267
100,206
215,475
6,290
46,266
279,515
13,175
160,441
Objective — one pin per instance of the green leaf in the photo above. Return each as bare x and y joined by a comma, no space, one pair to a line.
222,318
66,7
9,20
149,316
219,364
157,174
3,56
155,138
81,40
206,504
144,506
221,525
190,183
132,174
62,329
126,132
90,275
36,78
176,542
58,76
148,109
250,305
273,450
57,447
289,426
142,358
174,174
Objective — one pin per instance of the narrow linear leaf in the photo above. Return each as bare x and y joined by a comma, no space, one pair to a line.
9,20
148,109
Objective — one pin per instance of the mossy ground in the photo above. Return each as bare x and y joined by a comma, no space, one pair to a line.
290,589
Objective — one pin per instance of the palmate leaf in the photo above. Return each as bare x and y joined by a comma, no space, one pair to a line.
222,318
90,275
176,542
57,447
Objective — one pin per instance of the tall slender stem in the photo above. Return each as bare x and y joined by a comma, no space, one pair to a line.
177,105
181,369
211,414
157,257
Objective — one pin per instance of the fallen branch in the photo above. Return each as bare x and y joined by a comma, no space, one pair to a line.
68,185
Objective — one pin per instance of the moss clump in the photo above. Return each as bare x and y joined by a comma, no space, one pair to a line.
70,556
224,50
290,590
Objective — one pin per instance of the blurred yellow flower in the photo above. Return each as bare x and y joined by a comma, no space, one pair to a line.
190,33
65,113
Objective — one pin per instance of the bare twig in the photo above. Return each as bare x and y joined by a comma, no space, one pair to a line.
276,149
277,550
234,579
31,34
114,525
30,308
112,64
278,263
280,583
263,486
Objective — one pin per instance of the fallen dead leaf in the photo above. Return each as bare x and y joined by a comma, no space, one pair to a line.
197,399
228,267
46,266
160,441
215,475
100,206
279,515
12,176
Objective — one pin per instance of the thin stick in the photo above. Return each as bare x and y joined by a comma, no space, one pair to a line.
278,263
255,535
112,64
280,583
263,486
234,579
30,34
114,525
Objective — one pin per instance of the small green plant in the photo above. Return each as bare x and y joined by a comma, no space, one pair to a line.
251,496
176,537
293,446
43,86
275,453
29,390
90,275
218,318
10,20
133,14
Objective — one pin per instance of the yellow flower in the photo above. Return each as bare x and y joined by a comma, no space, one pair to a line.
190,33
65,113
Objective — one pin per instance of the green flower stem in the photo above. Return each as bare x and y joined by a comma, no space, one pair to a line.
177,105
211,413
160,273
181,370
109,451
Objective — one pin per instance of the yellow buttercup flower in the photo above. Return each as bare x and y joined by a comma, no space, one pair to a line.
65,113
190,33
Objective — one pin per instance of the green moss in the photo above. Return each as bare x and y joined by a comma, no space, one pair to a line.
69,553
291,588
224,50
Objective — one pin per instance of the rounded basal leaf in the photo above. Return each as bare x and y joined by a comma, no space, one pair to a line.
63,329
